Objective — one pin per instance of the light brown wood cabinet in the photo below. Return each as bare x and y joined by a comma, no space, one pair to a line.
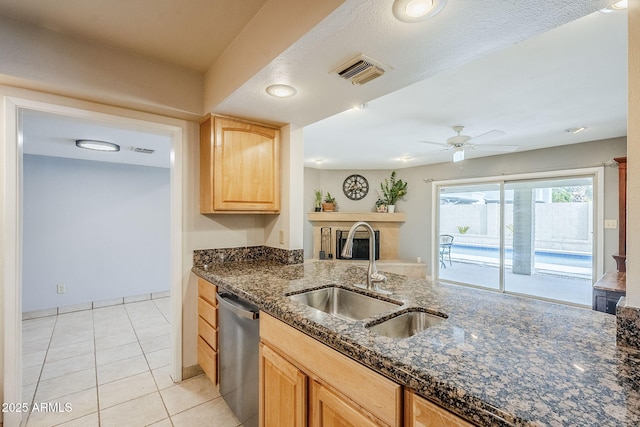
208,329
239,167
419,412
314,385
284,403
304,382
328,409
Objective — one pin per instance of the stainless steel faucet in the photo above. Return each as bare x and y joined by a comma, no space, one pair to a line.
373,277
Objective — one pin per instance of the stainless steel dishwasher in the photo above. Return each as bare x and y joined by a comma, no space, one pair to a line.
239,337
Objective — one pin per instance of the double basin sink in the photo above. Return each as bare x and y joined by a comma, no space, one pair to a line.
350,305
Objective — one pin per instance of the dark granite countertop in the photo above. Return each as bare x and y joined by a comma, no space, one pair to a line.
496,360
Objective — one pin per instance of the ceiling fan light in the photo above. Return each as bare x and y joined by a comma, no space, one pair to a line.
458,156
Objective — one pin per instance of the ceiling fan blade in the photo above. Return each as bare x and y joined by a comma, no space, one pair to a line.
446,147
487,135
434,143
500,148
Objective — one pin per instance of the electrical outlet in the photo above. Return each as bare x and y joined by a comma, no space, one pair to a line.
610,223
281,237
60,289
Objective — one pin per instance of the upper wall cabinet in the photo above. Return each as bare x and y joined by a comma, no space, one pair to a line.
239,167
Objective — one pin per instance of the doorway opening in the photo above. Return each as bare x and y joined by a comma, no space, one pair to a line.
533,235
172,129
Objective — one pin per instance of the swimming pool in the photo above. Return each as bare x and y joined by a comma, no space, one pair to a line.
547,257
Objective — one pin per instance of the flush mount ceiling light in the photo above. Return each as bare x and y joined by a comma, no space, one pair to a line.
416,10
92,144
281,91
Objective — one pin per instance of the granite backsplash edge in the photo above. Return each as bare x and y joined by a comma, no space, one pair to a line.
203,257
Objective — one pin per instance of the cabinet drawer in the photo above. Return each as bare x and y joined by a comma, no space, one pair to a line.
208,333
207,291
208,360
208,312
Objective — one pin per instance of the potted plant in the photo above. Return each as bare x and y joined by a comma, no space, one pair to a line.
381,205
318,194
329,204
393,190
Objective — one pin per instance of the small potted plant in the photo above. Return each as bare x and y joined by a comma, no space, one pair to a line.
318,194
393,190
381,206
329,204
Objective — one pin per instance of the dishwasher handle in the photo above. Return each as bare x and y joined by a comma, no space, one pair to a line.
237,306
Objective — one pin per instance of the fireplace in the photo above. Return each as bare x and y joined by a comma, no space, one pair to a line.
360,244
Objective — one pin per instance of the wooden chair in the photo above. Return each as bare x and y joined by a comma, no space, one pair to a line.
446,241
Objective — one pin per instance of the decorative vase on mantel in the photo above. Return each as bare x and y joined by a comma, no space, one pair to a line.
329,204
391,208
328,207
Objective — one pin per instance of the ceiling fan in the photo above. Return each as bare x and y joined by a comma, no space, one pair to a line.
459,143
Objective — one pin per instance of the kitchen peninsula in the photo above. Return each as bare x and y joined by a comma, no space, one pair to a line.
496,359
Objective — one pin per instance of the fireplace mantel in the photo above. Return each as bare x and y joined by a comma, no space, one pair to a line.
387,223
389,226
353,217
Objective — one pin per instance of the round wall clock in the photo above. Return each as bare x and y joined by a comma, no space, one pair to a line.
355,187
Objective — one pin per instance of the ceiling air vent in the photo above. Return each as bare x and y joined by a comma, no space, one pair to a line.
143,150
360,70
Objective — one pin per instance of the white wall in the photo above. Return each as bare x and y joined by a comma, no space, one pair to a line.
101,229
48,61
415,234
289,221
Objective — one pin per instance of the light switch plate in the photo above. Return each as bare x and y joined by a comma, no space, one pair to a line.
610,223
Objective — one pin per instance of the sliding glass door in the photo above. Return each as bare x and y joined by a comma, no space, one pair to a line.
531,237
470,218
548,230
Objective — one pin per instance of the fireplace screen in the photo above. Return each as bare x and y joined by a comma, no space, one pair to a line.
360,244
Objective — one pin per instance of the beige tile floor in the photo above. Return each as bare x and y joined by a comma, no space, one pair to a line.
112,365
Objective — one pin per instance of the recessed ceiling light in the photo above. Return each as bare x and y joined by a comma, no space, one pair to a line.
92,144
621,5
359,107
281,91
576,129
416,10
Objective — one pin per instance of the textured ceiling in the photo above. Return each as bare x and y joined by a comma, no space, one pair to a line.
574,75
528,68
190,33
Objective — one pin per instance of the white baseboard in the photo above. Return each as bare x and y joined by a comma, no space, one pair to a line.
28,315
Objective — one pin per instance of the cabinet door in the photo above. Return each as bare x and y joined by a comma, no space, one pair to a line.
283,391
419,412
239,167
330,410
